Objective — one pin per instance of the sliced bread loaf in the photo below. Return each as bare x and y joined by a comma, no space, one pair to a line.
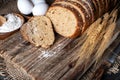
96,7
71,17
104,4
38,31
100,7
66,20
85,6
107,2
92,10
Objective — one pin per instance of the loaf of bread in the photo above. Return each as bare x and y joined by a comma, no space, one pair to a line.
71,18
39,31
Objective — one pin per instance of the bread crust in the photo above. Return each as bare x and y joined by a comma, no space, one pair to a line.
112,4
92,9
85,6
101,10
86,18
96,8
103,5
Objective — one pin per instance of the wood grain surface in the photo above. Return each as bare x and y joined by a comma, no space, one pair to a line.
65,60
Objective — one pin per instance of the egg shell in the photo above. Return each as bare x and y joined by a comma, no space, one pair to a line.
25,6
38,1
40,9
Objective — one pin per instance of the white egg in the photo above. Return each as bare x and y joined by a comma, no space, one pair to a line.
38,1
40,9
25,6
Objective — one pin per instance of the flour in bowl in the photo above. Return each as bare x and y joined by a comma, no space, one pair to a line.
13,23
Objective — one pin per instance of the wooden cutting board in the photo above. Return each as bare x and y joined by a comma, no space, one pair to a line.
65,60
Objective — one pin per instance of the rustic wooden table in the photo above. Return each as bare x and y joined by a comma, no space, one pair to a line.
22,61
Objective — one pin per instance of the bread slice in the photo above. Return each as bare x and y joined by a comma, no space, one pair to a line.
85,16
75,5
108,4
92,10
97,8
38,31
85,6
103,5
66,19
113,3
101,10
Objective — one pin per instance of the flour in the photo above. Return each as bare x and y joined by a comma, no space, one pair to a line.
46,54
13,23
